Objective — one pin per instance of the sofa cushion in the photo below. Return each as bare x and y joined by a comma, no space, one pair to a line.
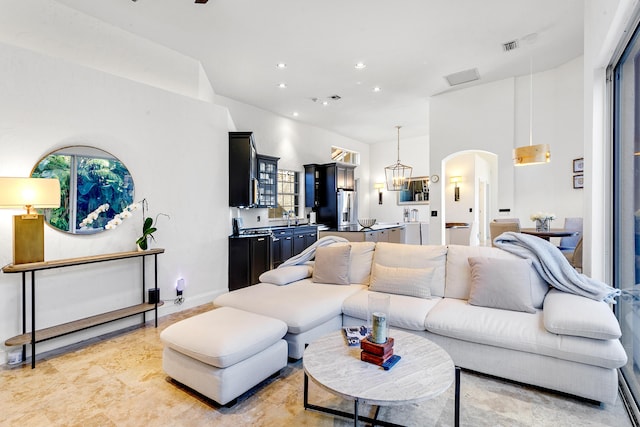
286,275
515,330
302,305
360,262
568,314
223,337
332,265
501,283
405,312
412,282
415,256
459,272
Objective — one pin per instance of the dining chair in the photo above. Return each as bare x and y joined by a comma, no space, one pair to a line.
568,244
575,256
517,220
497,228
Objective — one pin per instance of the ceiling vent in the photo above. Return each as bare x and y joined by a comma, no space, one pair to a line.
335,97
509,46
461,77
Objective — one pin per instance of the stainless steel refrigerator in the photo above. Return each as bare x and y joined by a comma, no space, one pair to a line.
347,208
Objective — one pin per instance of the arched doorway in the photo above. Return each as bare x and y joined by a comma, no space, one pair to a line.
475,174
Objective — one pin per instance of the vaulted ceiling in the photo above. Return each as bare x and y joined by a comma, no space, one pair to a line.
407,47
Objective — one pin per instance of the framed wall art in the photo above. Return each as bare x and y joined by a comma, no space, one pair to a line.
578,165
578,181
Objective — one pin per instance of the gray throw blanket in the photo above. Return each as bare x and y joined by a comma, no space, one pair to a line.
309,253
553,267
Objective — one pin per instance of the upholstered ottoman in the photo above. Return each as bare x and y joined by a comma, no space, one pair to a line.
224,352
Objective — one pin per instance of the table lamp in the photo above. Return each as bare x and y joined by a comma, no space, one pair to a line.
28,229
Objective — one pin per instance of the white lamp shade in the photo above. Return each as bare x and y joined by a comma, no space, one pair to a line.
16,193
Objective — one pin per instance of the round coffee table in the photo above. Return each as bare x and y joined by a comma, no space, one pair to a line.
424,371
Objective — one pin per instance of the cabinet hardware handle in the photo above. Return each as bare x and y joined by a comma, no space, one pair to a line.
260,239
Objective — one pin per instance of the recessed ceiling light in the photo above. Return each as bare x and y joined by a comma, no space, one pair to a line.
360,66
325,103
281,65
282,85
377,89
295,114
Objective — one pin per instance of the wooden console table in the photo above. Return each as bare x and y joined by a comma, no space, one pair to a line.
36,336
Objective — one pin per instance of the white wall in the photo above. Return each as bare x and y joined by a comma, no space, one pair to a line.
557,120
172,145
57,30
477,118
296,144
495,117
414,152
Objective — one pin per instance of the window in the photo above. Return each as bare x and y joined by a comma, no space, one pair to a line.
343,155
626,214
288,194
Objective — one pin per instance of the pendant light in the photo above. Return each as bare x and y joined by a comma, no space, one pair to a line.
397,174
531,154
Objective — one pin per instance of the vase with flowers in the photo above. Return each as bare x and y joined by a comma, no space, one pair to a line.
543,220
148,225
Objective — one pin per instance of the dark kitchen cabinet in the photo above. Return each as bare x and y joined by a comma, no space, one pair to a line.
281,246
322,181
243,174
249,257
290,241
303,237
313,185
267,181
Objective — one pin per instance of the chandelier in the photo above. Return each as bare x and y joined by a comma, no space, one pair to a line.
397,174
531,154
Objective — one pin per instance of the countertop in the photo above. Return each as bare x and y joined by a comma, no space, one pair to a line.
266,231
358,228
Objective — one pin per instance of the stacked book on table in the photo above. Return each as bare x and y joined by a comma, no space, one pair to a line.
374,353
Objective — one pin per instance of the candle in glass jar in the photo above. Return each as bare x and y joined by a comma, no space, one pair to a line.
379,328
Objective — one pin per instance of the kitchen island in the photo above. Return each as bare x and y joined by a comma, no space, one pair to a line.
394,233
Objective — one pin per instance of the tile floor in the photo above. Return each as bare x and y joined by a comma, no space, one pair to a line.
118,381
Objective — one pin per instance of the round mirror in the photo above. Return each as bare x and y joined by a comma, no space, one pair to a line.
95,186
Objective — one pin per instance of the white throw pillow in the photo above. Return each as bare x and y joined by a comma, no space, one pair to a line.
501,283
332,265
569,314
286,275
415,256
360,261
413,282
459,272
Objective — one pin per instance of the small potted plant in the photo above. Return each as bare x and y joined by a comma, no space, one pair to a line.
147,228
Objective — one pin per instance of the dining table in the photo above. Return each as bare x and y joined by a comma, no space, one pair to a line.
547,235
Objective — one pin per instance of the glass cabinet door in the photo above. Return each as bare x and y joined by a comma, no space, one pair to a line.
267,181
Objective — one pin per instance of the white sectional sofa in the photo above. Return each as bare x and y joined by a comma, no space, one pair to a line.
487,308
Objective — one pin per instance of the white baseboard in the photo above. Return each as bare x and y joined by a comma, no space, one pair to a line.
189,302
168,308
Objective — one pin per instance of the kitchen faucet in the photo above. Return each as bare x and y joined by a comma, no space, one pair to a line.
290,214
